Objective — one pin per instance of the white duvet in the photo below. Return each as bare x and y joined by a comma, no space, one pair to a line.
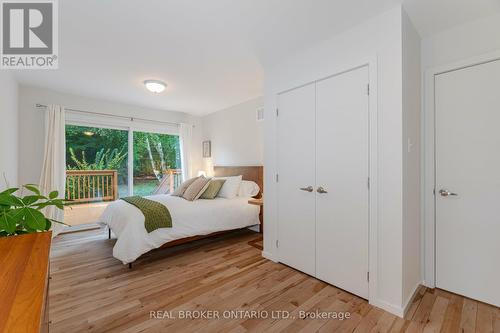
189,218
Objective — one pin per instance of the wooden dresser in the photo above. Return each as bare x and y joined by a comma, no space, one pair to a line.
24,278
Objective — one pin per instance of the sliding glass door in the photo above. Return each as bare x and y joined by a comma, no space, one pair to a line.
97,164
156,162
104,164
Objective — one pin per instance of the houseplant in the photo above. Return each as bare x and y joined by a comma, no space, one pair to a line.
23,214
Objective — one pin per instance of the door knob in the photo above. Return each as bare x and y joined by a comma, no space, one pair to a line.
307,189
321,190
446,193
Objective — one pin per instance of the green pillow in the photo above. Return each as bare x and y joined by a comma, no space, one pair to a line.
213,189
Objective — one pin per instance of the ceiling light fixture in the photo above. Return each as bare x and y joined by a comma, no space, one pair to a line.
155,86
88,133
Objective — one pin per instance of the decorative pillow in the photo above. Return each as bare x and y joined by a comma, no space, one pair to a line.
196,188
183,187
203,189
230,188
213,189
248,189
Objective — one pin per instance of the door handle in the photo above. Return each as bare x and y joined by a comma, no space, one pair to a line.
446,193
307,189
321,190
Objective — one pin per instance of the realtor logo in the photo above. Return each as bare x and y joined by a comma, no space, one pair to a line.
29,34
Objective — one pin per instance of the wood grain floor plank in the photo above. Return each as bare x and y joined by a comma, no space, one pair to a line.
485,318
453,315
91,291
469,315
436,317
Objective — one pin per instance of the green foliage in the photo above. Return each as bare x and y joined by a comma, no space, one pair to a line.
97,148
107,149
22,215
111,159
165,153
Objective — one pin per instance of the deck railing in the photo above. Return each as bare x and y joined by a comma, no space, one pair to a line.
91,185
83,186
174,179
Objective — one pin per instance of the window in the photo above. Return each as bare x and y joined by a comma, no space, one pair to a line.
156,156
104,164
90,153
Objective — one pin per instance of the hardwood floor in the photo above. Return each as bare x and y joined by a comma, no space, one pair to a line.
90,291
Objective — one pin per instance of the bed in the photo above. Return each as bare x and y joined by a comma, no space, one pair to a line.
192,220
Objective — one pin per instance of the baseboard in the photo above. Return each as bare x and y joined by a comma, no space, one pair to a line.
269,256
395,310
410,299
428,285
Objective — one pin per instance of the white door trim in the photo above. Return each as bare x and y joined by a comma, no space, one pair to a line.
372,63
428,160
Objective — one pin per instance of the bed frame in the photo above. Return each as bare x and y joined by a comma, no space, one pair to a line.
252,173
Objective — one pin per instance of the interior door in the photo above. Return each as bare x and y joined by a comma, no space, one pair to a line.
468,181
342,170
296,156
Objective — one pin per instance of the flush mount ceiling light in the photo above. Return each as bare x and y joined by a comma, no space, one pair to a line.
88,133
155,86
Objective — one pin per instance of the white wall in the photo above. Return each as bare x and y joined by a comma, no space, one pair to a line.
381,37
236,135
8,131
442,51
462,42
31,131
412,276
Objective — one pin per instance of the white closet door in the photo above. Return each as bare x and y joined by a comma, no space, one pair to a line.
342,169
296,211
468,182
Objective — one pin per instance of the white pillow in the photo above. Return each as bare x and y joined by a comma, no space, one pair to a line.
248,189
230,188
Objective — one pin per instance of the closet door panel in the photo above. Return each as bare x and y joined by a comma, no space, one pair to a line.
296,158
342,169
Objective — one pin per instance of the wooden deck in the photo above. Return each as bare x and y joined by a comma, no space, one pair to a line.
91,291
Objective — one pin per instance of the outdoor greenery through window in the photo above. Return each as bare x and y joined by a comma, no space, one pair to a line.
97,163
155,155
93,149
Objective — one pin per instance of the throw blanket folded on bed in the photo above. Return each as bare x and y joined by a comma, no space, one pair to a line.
156,215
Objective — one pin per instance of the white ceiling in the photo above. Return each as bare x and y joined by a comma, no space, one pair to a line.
211,53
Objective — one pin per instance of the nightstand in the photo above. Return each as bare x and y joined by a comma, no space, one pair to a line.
259,202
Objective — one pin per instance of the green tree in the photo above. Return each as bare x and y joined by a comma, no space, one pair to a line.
98,145
94,148
155,153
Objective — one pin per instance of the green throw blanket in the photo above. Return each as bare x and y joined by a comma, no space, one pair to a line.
156,215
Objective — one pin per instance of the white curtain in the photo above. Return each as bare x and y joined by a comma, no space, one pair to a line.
54,162
186,138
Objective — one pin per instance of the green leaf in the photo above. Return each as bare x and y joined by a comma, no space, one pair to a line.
59,204
41,205
33,188
48,224
53,194
10,190
15,218
9,222
10,200
34,218
30,199
3,222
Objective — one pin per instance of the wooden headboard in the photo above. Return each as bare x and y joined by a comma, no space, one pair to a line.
253,173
